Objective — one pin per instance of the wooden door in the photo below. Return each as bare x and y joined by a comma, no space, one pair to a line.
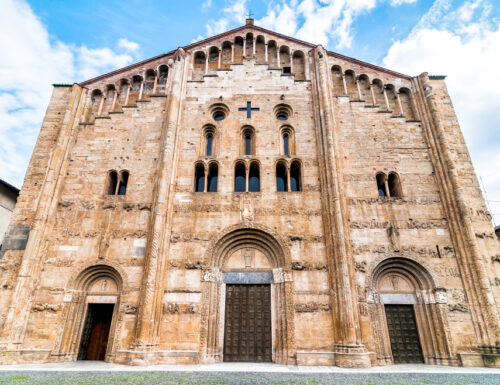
247,332
403,333
95,333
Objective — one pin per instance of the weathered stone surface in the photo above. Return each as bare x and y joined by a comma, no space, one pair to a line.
335,251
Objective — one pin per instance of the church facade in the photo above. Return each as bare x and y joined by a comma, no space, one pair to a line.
251,197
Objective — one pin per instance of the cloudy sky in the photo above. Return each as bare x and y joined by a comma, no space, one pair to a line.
59,41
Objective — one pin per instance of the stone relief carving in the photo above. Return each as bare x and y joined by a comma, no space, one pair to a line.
312,307
39,307
212,275
458,307
246,208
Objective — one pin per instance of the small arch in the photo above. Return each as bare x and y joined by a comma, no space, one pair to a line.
364,86
299,70
285,60
238,50
124,87
248,141
226,55
239,177
272,55
111,182
350,80
254,177
281,177
405,97
149,83
338,83
381,184
260,49
249,45
162,78
213,175
199,177
391,97
295,176
199,65
135,89
123,182
378,91
213,59
394,185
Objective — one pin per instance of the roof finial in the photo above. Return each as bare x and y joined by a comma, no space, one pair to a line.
249,20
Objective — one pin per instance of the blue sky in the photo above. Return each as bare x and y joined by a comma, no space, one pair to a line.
44,42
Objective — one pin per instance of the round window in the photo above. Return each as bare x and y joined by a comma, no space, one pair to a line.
219,115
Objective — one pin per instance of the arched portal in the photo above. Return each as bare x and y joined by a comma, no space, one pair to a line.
248,265
408,314
90,315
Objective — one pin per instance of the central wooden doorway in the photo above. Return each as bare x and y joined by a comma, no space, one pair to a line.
403,334
247,331
95,334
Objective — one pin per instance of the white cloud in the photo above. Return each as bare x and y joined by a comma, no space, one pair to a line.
396,3
464,46
128,45
235,12
207,4
30,62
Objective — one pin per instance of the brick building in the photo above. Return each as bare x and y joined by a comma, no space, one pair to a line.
252,197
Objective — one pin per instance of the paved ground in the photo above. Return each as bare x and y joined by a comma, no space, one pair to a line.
88,372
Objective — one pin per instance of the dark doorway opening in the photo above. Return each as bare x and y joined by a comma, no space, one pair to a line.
403,334
95,334
247,330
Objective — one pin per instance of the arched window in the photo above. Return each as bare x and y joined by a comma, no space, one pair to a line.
394,185
381,179
124,90
260,50
338,83
248,142
285,59
199,65
150,81
406,106
299,65
213,58
281,178
111,183
226,55
213,174
238,50
249,45
162,78
254,178
210,139
199,178
122,187
295,183
286,143
272,55
239,177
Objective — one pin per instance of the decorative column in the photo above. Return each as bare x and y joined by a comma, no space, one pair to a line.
265,54
254,44
373,95
206,63
245,47
157,244
278,55
101,103
344,84
127,95
232,53
388,107
155,84
400,106
220,59
115,95
360,95
291,62
141,90
349,349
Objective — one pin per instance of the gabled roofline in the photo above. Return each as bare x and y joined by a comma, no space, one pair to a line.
190,46
9,186
369,65
232,31
129,67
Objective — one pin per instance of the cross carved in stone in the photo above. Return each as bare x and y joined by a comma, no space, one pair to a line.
249,109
